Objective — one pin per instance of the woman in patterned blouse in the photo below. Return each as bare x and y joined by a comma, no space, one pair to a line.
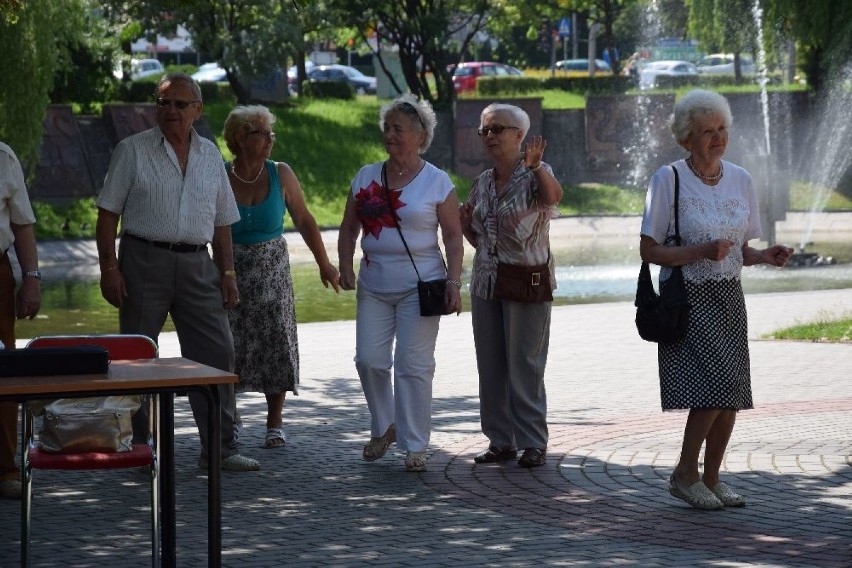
507,219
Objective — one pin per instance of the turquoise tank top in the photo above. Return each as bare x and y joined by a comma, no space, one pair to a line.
264,221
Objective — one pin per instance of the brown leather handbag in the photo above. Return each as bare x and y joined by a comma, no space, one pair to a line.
528,284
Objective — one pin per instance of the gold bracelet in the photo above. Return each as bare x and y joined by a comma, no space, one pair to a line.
230,273
535,168
454,282
109,268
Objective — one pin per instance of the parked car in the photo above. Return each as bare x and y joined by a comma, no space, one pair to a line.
344,74
581,66
465,75
723,64
210,73
141,68
653,70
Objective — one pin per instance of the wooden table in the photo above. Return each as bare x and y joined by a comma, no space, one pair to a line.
164,377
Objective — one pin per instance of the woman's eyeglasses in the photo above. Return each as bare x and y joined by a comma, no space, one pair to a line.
180,105
496,129
265,133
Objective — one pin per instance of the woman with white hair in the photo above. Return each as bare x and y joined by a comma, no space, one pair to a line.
507,219
707,371
403,197
264,321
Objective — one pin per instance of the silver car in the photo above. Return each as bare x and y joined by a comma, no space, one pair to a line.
654,69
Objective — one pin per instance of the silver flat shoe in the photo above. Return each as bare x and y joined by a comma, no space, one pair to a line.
697,495
728,496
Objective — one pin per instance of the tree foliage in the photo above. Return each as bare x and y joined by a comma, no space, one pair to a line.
725,26
249,38
823,32
33,40
429,36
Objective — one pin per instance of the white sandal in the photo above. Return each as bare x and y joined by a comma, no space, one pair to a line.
273,435
415,461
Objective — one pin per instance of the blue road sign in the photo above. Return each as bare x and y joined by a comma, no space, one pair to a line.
565,27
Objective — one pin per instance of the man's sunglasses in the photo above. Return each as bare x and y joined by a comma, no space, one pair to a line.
496,129
180,105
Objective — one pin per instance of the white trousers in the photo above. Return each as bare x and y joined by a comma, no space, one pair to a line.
407,401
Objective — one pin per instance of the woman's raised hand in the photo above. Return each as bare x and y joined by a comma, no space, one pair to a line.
534,151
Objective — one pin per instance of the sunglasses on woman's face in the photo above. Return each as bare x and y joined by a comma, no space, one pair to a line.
495,128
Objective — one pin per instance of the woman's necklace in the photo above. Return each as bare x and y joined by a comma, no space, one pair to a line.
402,171
717,177
236,175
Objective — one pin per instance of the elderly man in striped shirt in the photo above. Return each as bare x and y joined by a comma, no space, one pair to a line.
169,189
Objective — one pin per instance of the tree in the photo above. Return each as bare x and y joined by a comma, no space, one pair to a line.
430,36
606,13
37,32
724,25
823,31
249,38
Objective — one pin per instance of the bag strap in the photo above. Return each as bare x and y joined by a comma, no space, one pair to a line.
396,222
676,206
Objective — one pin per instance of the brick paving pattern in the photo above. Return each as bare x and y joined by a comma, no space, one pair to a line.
600,500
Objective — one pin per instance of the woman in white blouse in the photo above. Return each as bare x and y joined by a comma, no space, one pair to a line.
706,372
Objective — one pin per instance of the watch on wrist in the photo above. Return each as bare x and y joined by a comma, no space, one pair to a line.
33,274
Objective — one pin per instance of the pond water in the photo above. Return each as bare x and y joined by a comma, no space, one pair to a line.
601,271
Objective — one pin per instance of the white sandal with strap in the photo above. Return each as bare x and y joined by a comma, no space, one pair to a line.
273,435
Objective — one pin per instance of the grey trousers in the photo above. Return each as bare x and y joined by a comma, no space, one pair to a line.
512,340
187,286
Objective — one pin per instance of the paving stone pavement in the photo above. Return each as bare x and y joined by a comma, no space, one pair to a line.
601,500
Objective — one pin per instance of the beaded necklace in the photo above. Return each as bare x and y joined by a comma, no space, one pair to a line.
717,177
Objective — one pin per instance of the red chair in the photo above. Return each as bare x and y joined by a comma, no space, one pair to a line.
142,455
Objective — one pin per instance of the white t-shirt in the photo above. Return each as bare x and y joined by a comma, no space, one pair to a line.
385,266
727,210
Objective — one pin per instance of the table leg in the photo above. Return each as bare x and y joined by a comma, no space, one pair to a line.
214,473
166,452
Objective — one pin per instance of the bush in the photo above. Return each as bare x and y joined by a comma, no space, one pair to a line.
137,91
328,90
75,221
217,93
606,85
665,82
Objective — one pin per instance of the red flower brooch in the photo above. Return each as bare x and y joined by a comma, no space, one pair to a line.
376,207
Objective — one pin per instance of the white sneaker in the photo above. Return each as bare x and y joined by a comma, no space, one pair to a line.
235,462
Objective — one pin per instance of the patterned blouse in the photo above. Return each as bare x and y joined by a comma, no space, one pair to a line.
513,228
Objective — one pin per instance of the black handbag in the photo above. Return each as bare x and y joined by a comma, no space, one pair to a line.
430,293
663,318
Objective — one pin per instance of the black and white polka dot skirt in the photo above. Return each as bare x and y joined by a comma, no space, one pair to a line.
709,368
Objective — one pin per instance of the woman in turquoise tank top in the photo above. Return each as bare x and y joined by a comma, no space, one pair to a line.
264,322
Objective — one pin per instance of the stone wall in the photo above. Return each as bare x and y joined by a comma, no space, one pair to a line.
616,139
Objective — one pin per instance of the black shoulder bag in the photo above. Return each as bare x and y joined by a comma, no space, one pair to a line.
430,293
663,318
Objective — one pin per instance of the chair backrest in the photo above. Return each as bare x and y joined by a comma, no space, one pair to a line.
120,346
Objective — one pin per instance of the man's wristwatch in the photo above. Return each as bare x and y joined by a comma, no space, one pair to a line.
33,274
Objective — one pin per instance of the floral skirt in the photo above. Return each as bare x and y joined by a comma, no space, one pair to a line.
264,324
709,368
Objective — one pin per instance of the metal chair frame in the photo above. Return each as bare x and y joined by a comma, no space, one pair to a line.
120,347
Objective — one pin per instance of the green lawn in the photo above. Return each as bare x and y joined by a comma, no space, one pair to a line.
824,330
